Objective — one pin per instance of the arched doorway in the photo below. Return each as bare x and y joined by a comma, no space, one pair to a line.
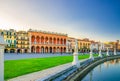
12,50
54,50
42,49
42,40
37,39
6,50
37,49
46,49
46,40
33,49
50,40
50,49
64,41
25,50
19,51
33,39
57,40
64,50
61,50
54,40
61,41
72,50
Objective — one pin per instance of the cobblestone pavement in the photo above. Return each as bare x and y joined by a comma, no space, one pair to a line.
42,74
15,56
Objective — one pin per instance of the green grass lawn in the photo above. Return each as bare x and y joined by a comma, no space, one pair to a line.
14,68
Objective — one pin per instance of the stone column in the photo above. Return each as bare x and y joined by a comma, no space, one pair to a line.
63,41
48,41
75,55
67,46
52,50
48,50
91,52
2,46
40,41
30,43
22,50
57,50
44,40
59,42
35,41
35,49
52,41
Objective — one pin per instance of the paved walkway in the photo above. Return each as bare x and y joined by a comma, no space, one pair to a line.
42,74
14,56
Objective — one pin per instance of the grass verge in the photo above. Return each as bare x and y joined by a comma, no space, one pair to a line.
14,68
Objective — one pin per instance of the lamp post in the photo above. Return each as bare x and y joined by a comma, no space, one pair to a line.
2,46
75,55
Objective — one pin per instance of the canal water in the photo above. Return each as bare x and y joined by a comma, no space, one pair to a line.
107,71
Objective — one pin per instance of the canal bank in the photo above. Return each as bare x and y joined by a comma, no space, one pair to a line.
81,72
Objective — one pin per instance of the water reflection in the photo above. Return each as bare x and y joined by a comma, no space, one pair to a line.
90,75
108,71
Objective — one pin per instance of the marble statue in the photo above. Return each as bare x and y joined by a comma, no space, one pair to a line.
75,55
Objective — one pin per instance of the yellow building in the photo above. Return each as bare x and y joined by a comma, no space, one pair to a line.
83,44
22,42
10,38
118,45
113,44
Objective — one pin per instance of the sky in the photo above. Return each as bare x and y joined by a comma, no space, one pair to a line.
94,19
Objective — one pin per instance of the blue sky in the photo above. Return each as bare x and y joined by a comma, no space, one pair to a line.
95,19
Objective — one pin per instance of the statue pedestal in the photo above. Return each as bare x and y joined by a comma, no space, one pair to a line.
91,55
108,53
115,52
100,55
75,59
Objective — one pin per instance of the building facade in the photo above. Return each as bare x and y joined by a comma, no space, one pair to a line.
83,44
71,44
113,44
10,38
22,42
46,42
34,41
